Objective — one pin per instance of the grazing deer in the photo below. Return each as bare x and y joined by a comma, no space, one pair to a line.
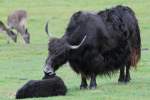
10,34
17,20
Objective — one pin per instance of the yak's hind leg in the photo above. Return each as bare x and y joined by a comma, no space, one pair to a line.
93,83
122,75
83,82
127,77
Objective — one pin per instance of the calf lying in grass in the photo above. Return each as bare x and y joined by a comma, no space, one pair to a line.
42,88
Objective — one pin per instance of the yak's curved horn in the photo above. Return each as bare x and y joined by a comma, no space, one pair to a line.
46,28
77,46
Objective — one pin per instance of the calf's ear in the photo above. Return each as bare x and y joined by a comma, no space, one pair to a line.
47,76
77,14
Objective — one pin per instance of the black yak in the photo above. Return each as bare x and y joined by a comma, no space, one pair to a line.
53,86
97,44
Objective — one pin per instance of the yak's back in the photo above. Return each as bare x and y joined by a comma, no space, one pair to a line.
123,21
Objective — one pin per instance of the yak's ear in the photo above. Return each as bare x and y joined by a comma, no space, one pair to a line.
26,31
1,23
2,26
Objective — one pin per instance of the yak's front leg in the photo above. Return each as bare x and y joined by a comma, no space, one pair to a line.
122,75
93,83
83,82
127,77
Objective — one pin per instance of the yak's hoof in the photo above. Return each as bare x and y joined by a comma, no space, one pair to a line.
127,79
82,87
121,79
93,86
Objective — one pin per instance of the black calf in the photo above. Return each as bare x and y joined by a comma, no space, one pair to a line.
42,88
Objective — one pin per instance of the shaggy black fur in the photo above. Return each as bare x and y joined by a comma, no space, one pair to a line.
113,42
53,86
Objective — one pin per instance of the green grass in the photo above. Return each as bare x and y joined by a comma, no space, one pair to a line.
20,63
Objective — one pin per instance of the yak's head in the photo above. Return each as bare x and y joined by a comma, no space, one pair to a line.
58,50
8,31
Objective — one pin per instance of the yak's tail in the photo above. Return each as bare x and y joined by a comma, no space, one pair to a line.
136,47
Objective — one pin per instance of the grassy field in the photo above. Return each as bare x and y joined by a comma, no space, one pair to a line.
20,63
